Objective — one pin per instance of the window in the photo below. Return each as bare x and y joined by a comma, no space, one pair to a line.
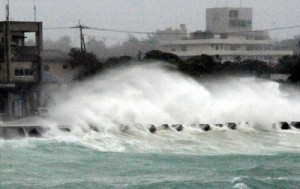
17,72
267,48
30,39
233,48
183,47
46,68
233,13
23,72
65,66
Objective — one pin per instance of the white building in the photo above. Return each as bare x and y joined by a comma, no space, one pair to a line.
229,35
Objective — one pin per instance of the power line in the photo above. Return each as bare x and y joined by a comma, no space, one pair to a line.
104,38
123,31
270,29
166,33
82,27
57,28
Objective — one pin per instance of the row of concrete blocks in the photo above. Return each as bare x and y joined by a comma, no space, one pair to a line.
9,132
207,127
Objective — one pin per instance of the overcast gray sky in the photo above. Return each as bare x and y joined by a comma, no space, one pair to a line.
147,15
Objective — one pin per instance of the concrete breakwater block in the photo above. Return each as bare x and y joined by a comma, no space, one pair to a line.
152,128
232,126
285,126
93,127
64,128
178,127
219,125
164,127
205,127
11,132
296,124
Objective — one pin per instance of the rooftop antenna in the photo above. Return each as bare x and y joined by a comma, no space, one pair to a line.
34,9
7,11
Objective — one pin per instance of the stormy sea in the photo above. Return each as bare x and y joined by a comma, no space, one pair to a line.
110,145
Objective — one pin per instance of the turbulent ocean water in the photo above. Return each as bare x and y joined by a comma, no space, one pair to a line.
122,153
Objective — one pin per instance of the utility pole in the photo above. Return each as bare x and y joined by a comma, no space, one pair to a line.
82,42
7,45
7,11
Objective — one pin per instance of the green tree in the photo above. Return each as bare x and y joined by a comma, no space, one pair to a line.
295,77
287,64
88,62
203,64
162,56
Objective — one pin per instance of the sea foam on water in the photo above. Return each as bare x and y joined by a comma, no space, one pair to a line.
117,102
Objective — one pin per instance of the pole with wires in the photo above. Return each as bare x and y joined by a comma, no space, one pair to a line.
7,46
82,42
34,9
7,11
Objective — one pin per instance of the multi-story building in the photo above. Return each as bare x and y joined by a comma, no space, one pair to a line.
229,36
292,44
58,74
20,68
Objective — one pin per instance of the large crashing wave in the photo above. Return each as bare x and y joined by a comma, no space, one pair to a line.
155,94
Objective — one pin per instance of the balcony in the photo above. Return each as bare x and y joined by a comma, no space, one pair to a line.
25,54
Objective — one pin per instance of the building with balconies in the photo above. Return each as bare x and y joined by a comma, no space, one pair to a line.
228,36
20,68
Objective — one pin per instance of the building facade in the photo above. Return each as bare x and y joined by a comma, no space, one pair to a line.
58,74
229,36
225,20
20,68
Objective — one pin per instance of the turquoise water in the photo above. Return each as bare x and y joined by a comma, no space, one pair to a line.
35,163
